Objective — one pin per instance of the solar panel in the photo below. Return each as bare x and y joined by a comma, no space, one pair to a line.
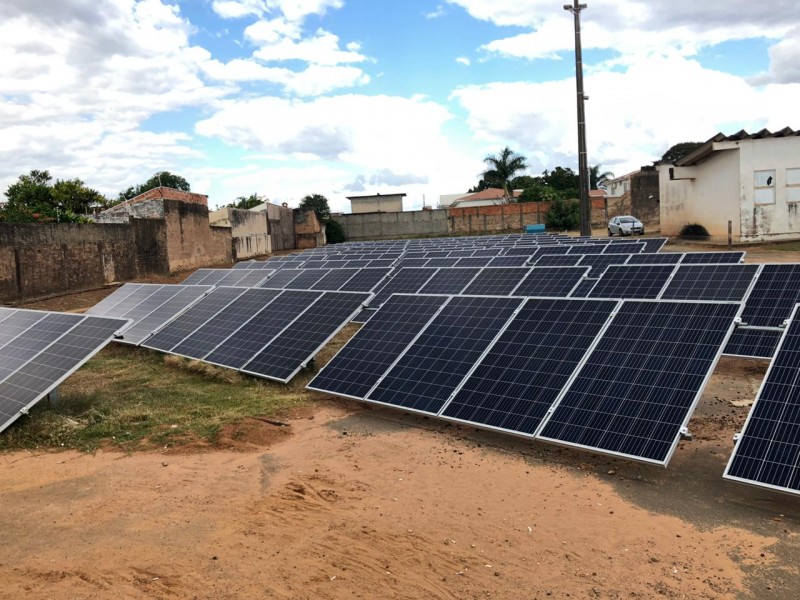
245,264
167,308
654,244
508,261
587,249
227,321
282,279
555,282
213,276
112,299
639,385
449,281
625,248
769,304
499,281
600,262
691,258
403,281
584,288
293,347
475,261
522,375
667,258
639,281
308,278
557,260
412,262
260,329
195,317
365,280
767,452
711,282
47,353
539,251
427,373
381,263
357,264
442,262
357,367
123,300
334,280
249,278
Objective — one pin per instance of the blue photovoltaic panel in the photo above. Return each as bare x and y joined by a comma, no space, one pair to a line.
509,261
555,282
381,263
282,279
667,258
691,258
334,280
449,281
144,326
587,249
308,278
624,248
54,350
403,281
474,261
654,244
201,274
540,251
434,365
115,297
599,263
251,337
27,344
17,322
357,264
195,317
771,302
160,295
357,367
499,281
246,264
461,253
710,282
293,347
557,260
222,325
639,281
412,262
252,278
442,262
67,347
365,280
639,385
490,252
768,451
522,375
584,288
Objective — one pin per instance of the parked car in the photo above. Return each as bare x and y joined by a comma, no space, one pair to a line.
625,225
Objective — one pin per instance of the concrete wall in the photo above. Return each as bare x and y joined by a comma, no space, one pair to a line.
309,232
281,227
249,230
43,259
191,242
377,203
148,205
375,226
644,196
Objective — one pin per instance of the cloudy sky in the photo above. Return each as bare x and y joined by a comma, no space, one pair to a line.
344,97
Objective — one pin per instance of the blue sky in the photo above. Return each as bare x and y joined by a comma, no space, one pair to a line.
285,98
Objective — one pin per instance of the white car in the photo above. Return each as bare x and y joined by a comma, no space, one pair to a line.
625,225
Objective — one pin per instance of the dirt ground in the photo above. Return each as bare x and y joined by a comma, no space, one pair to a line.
352,501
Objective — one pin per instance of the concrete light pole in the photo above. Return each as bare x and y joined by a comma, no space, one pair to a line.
583,163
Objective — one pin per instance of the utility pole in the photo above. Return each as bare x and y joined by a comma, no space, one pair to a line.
583,164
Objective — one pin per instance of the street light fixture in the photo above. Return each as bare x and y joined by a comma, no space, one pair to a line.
583,164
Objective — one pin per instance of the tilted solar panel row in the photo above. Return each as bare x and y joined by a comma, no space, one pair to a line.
620,377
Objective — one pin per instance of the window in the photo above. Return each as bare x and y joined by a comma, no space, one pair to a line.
764,182
793,185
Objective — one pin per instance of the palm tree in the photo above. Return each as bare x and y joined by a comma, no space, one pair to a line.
596,178
503,167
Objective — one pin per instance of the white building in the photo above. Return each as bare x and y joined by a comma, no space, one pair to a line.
752,180
616,187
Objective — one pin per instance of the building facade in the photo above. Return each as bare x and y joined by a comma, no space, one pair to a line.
376,203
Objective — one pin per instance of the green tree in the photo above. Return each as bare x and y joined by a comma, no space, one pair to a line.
482,185
563,215
678,151
596,178
539,193
34,198
503,167
334,232
566,181
319,204
247,202
31,192
72,195
160,179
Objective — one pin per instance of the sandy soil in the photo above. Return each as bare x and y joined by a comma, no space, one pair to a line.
351,501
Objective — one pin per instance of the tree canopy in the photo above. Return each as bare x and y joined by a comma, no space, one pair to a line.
248,202
319,204
678,151
34,197
160,179
502,168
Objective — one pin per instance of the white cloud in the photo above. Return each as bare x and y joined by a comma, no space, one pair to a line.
321,49
272,31
463,60
439,11
784,61
294,10
632,116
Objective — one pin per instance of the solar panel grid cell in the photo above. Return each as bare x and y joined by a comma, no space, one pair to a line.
710,282
640,281
499,281
555,282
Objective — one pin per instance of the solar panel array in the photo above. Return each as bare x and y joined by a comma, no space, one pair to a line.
38,350
614,376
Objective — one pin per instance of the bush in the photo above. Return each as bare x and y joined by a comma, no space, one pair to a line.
334,232
563,215
694,231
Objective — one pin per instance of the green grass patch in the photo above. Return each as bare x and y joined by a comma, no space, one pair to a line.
787,247
131,398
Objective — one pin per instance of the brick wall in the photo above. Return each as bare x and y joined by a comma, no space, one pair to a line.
309,232
491,219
